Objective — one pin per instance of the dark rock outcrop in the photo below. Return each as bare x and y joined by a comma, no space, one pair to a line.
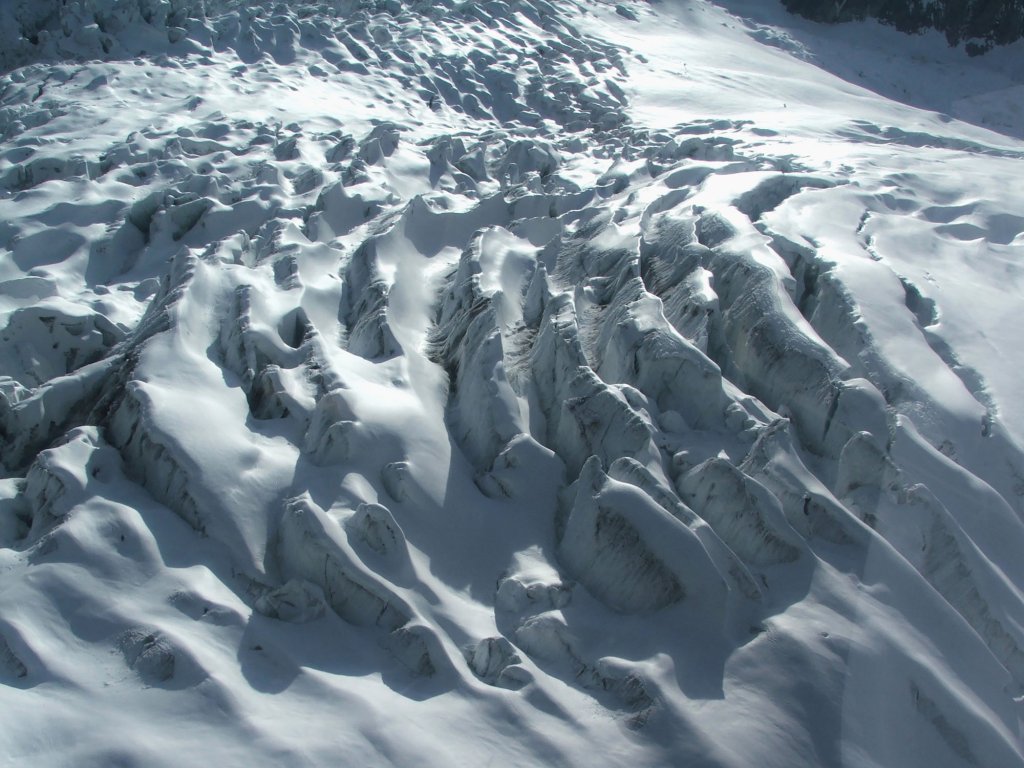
978,23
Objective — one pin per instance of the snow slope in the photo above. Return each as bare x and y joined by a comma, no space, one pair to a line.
506,383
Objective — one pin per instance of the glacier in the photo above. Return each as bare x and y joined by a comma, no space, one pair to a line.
514,383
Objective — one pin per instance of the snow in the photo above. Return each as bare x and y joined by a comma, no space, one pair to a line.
512,384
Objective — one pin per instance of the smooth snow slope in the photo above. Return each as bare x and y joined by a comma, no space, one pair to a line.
513,384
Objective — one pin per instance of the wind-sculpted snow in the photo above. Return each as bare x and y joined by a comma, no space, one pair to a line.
439,383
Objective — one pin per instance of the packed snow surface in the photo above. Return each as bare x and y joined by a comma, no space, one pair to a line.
507,383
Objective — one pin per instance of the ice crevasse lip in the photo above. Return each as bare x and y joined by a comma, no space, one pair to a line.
489,382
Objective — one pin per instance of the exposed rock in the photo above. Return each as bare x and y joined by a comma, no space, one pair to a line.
993,22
